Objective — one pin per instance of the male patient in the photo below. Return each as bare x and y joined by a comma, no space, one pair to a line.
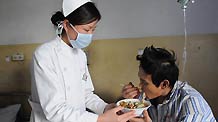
172,100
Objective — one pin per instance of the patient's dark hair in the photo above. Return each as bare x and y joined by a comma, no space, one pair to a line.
85,14
160,64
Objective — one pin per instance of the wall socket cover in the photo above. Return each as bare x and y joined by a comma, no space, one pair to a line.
18,57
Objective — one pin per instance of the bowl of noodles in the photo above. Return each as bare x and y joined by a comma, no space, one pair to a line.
134,104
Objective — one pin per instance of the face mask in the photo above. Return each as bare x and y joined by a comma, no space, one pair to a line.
82,40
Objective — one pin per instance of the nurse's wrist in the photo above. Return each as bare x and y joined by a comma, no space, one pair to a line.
109,106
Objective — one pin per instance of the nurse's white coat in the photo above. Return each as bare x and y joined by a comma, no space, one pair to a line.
60,92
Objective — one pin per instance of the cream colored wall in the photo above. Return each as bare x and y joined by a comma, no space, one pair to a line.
15,75
113,62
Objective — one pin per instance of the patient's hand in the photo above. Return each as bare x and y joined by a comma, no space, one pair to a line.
130,91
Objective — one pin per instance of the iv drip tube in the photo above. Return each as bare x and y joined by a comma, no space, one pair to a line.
184,56
184,4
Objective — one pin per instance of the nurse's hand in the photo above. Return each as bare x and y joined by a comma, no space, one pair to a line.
109,106
112,116
145,118
130,91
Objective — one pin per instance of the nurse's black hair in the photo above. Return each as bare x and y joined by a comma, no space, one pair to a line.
160,64
85,14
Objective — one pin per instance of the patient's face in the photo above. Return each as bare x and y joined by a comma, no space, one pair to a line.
151,91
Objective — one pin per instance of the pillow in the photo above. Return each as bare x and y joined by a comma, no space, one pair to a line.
9,113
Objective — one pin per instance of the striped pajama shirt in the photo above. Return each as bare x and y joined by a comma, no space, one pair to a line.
185,104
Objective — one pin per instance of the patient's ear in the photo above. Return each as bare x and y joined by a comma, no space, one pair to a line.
165,84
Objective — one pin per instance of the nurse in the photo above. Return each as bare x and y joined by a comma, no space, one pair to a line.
62,88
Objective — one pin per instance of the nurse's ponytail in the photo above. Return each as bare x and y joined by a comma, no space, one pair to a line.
57,17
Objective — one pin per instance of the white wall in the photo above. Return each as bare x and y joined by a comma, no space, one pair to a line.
138,18
28,21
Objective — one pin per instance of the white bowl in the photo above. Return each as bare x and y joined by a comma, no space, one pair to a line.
138,111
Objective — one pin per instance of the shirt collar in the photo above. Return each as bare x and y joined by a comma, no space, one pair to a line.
175,91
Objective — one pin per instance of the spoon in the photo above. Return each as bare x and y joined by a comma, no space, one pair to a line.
141,96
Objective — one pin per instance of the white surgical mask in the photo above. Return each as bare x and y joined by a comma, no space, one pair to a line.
82,40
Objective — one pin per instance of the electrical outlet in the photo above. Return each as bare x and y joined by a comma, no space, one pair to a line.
18,57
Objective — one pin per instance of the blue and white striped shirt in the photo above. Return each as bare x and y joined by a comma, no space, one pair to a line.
185,104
